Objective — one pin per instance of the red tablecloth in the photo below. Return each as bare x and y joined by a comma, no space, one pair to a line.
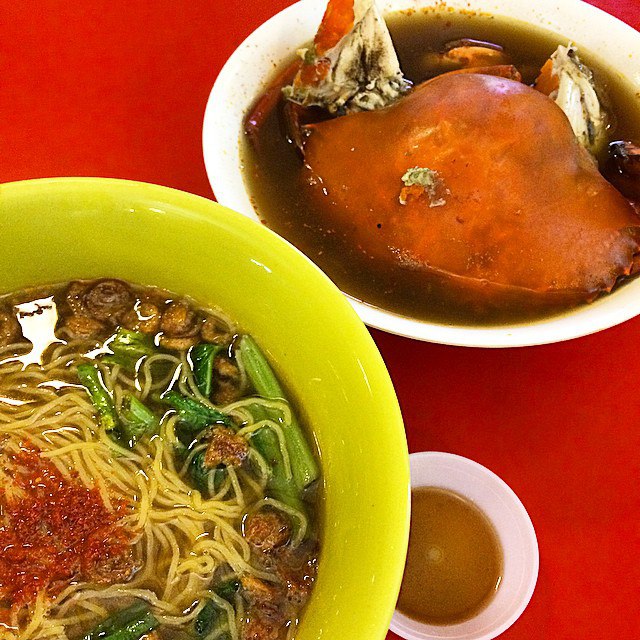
118,88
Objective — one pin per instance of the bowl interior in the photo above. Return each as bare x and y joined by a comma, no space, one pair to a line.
515,532
249,69
61,229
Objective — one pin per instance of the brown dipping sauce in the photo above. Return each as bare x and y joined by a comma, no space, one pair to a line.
455,560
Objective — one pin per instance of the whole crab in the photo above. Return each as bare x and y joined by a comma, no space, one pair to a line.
485,184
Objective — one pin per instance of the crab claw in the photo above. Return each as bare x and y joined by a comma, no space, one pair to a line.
352,64
465,53
569,82
622,169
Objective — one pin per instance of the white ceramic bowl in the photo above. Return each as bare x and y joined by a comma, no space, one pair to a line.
515,533
248,70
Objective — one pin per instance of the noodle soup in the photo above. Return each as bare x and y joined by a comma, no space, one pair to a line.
156,481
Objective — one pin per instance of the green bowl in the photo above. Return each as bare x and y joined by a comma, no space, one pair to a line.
60,229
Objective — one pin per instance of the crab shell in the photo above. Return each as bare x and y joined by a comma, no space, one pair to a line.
523,215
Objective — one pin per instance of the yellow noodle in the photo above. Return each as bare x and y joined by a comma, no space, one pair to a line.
37,616
256,487
236,486
145,373
95,608
295,513
286,462
189,459
71,447
181,537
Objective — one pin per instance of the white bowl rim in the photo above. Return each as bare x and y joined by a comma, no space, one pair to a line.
511,520
246,72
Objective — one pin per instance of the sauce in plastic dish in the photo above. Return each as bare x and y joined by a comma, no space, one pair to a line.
472,563
455,560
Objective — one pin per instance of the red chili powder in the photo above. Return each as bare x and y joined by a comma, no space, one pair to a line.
54,530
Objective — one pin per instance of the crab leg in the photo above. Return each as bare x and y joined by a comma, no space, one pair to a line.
352,64
266,103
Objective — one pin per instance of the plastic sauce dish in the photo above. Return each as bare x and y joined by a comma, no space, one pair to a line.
515,533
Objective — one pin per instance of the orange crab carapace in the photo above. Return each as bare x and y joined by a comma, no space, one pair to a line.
479,186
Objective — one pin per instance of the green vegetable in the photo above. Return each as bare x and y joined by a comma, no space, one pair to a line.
193,414
204,478
258,369
228,589
128,347
136,419
89,376
210,618
267,444
303,465
202,356
129,624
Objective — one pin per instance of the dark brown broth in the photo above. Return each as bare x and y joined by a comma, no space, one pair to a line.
273,174
455,561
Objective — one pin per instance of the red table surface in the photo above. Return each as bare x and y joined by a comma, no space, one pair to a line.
118,88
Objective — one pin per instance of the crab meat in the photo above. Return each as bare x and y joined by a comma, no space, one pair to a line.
569,82
352,65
